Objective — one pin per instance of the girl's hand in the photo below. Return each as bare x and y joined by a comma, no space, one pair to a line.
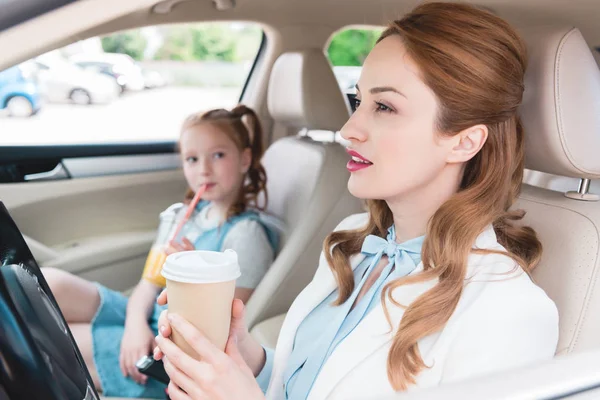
219,376
176,247
137,342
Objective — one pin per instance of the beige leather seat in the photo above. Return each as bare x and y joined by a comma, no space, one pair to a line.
561,116
306,179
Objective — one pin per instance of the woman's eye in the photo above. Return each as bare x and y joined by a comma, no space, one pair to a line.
191,160
218,155
382,107
355,104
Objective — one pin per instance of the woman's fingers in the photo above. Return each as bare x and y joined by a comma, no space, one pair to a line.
162,298
176,356
157,353
205,349
232,351
237,315
177,394
181,380
164,327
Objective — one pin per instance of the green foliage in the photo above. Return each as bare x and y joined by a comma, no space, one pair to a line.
131,43
231,43
209,42
350,47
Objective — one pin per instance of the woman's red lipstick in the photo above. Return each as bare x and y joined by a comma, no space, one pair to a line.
357,162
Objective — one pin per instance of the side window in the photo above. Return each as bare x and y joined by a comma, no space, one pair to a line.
127,87
347,50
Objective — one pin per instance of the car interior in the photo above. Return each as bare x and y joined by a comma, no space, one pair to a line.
92,209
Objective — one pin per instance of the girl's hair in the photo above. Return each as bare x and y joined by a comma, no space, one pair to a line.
475,63
243,127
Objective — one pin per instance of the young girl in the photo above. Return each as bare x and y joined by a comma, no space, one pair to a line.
220,151
432,285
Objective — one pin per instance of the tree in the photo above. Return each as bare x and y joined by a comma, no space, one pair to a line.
207,42
177,44
132,43
351,46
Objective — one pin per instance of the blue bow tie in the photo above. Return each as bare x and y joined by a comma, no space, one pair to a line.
398,254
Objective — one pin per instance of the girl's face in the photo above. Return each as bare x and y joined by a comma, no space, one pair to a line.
211,158
395,147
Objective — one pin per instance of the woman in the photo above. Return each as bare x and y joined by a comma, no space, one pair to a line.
432,286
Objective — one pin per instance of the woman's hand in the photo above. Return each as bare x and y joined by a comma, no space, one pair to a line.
162,300
252,352
138,341
219,376
176,247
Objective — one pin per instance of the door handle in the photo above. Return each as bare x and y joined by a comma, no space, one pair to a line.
59,172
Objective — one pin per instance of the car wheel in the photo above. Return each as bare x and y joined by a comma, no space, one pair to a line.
20,107
81,97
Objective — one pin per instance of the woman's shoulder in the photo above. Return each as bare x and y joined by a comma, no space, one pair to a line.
499,287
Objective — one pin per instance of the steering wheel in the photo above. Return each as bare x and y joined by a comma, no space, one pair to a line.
39,358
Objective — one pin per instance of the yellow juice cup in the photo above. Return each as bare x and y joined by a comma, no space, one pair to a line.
156,257
154,263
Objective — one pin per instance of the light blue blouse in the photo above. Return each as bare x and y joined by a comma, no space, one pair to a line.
327,325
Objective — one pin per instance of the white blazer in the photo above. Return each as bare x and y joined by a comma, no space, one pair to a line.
503,320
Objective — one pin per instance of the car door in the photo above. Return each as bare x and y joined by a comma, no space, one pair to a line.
91,209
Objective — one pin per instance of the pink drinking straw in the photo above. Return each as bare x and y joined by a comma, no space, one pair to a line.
190,210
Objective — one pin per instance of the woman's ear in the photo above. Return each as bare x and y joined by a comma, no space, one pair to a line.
468,143
246,160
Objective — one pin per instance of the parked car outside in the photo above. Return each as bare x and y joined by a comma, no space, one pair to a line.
153,79
19,94
106,69
120,66
61,81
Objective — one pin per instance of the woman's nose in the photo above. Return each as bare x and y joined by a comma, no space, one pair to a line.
354,129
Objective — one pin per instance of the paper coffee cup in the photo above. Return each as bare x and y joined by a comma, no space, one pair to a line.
201,288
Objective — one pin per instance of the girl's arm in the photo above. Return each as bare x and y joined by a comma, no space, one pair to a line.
141,303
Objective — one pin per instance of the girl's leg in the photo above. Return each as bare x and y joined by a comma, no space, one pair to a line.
83,336
77,298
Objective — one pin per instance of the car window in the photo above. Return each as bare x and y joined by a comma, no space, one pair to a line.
127,87
347,50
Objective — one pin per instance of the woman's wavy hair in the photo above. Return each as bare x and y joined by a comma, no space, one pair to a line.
243,127
475,64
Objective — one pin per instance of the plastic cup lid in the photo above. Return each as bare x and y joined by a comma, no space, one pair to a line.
200,266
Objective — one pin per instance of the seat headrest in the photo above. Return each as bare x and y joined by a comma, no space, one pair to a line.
561,104
304,93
